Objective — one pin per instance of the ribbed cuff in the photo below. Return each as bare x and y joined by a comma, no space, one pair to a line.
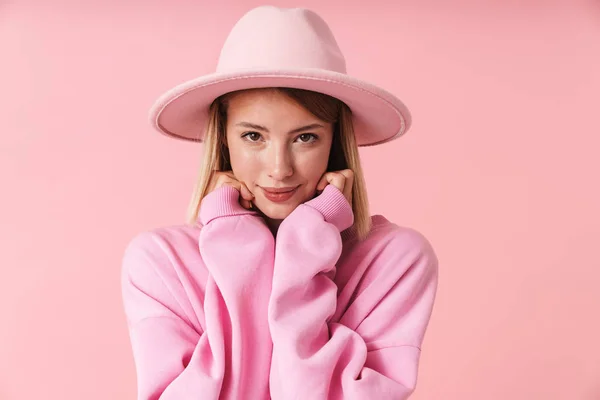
222,202
334,206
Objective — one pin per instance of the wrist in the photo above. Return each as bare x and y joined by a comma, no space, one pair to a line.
221,202
334,207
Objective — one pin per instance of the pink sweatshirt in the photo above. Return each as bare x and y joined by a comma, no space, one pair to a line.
222,310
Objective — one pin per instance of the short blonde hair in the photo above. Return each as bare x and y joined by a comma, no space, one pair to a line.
343,154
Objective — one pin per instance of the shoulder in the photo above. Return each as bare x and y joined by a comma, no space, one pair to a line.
162,274
161,241
388,235
162,248
394,249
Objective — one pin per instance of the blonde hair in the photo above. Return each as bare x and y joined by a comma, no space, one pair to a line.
343,154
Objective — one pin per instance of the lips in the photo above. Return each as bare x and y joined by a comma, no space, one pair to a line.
279,190
279,195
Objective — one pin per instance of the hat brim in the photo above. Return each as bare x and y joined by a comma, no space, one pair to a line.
378,116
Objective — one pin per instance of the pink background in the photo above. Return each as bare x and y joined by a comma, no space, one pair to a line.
500,171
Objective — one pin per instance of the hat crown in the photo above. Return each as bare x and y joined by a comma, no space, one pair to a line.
269,37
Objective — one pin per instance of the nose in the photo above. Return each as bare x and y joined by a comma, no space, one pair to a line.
280,163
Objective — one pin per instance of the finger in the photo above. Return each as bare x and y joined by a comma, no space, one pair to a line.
246,203
338,180
322,182
226,180
245,192
348,173
334,178
348,184
219,177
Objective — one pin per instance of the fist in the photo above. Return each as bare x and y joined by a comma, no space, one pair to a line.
221,178
342,180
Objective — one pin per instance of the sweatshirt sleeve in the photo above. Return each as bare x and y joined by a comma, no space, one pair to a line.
314,358
230,359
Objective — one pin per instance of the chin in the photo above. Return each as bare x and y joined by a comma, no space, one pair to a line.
276,211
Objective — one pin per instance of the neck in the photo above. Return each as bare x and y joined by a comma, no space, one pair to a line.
273,224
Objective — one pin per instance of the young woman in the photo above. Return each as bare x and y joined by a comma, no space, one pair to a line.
282,285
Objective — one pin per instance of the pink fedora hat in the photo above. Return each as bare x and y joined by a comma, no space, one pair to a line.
280,47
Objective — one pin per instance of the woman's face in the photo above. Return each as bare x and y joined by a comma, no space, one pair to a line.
275,145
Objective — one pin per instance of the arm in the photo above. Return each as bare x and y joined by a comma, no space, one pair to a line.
230,358
317,359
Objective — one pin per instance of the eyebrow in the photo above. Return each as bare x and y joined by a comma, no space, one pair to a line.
264,129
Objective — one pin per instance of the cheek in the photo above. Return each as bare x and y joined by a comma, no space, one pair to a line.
245,164
313,166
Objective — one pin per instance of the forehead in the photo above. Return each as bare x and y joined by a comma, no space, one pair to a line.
265,103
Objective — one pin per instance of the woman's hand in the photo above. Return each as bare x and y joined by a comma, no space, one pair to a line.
342,180
221,178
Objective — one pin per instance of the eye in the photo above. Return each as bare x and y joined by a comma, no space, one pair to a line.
308,137
252,136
